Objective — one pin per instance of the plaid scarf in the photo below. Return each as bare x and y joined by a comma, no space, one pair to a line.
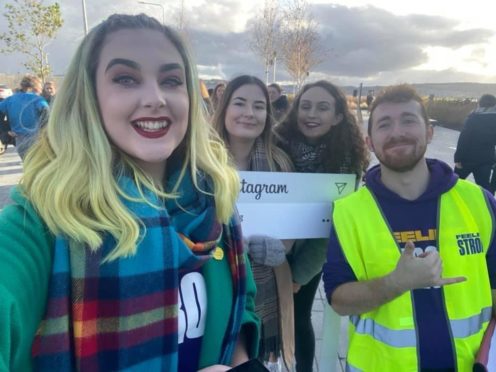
266,299
123,315
258,160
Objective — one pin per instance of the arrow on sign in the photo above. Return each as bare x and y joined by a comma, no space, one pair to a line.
341,186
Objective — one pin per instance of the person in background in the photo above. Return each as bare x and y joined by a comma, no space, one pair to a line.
25,111
207,104
411,255
49,91
321,135
243,120
370,99
122,250
279,101
217,94
475,151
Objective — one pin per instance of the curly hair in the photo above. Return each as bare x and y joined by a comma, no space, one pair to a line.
345,146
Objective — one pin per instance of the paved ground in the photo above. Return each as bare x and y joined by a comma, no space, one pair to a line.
442,147
10,173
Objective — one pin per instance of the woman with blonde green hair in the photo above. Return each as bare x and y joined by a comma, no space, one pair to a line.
122,250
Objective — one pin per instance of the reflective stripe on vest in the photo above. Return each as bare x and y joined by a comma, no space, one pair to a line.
391,337
462,328
350,368
384,338
406,338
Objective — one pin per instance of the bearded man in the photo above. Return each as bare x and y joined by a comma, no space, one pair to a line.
411,257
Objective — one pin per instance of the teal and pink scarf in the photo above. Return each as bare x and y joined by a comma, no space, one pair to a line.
123,315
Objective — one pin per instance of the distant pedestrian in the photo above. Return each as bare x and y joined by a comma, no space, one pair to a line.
49,91
279,101
217,94
370,99
25,110
207,103
475,152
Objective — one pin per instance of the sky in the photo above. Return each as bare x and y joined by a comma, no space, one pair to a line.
376,42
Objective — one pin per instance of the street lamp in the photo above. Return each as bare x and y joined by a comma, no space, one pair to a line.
156,4
85,20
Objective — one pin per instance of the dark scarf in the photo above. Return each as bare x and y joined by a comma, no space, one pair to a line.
307,158
122,315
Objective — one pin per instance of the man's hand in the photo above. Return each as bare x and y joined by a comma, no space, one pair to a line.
12,134
419,272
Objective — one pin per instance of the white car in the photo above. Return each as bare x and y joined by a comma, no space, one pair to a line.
4,91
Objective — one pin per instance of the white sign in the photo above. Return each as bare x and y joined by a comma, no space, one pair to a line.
290,205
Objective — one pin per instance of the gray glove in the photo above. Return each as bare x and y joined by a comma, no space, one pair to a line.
265,250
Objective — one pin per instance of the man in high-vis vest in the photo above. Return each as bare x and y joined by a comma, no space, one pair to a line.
411,255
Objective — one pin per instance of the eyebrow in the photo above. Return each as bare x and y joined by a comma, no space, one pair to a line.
122,61
403,115
170,66
406,114
318,103
244,100
126,62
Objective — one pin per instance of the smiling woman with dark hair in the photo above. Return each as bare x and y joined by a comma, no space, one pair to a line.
321,135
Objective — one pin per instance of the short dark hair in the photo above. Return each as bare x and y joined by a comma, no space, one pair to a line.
276,86
487,100
397,94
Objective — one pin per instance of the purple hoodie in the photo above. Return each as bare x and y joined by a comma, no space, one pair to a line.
434,340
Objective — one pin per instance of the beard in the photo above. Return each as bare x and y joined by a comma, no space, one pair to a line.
404,162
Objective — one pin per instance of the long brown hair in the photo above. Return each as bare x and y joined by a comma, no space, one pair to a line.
344,142
277,158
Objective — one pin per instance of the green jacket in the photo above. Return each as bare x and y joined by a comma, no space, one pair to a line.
306,259
26,251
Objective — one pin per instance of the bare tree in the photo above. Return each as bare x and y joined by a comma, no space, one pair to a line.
31,27
300,49
265,35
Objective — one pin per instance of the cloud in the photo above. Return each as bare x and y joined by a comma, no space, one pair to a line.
361,43
367,41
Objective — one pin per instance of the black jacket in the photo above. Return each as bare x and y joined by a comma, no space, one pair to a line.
279,107
477,140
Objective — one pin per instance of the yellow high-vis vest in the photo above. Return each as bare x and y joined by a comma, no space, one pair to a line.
385,339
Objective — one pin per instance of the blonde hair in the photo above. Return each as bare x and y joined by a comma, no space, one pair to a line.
277,159
71,172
